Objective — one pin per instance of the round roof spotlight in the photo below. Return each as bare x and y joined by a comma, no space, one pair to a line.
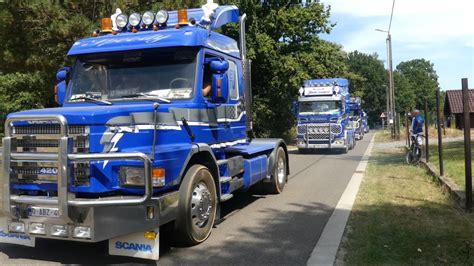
162,16
121,21
134,20
147,18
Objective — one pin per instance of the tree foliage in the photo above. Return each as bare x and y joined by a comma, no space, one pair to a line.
368,81
405,93
422,79
283,44
282,41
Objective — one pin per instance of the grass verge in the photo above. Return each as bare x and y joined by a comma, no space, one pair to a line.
453,160
401,217
384,136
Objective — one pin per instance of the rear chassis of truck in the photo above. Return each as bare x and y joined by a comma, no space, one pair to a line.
61,214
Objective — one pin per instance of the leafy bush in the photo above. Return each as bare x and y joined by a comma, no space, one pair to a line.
20,91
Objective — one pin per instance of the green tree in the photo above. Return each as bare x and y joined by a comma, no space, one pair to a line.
283,44
282,41
368,81
421,75
405,96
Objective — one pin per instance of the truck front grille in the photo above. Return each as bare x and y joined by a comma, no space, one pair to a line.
45,139
319,131
49,129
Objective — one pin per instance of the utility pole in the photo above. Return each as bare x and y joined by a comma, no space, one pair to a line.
392,114
387,110
392,88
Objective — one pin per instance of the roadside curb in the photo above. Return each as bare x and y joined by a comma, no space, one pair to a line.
325,251
446,185
291,148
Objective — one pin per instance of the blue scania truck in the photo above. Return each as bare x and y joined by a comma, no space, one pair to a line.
322,116
356,115
153,127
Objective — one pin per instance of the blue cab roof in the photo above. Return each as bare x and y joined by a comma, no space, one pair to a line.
187,36
341,82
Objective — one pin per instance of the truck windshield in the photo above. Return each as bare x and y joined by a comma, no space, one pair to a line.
319,107
160,73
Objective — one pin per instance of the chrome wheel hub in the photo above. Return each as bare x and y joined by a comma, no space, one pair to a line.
281,171
201,205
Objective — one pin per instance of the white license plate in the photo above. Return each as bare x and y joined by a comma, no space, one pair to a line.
44,212
320,146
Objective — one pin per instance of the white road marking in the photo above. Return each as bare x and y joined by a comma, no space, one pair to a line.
325,251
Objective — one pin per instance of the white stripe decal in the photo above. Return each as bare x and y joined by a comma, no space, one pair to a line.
226,144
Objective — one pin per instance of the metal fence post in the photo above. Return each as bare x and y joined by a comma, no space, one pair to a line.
407,127
427,150
467,143
440,138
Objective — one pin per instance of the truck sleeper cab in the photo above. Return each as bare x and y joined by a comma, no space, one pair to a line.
322,119
356,117
138,141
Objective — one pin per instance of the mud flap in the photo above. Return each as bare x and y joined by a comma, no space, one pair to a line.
14,238
145,245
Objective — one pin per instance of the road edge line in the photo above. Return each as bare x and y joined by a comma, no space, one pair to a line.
325,251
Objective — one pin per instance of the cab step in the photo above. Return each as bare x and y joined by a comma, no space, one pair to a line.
225,197
225,179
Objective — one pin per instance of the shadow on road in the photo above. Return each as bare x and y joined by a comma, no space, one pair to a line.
285,236
274,229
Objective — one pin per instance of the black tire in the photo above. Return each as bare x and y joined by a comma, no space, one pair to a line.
303,151
409,157
417,155
345,150
279,175
192,225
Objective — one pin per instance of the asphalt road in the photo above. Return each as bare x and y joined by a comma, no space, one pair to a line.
257,229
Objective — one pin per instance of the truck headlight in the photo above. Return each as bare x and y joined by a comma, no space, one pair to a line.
134,19
148,17
59,230
162,16
135,176
121,20
82,232
16,227
37,229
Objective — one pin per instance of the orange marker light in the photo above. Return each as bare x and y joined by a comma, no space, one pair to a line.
219,94
106,24
182,17
158,176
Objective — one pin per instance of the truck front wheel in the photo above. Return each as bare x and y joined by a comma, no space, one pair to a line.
197,206
280,175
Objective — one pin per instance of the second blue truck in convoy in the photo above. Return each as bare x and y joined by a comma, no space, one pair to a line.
323,120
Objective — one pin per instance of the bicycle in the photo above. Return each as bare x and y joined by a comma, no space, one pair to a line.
414,154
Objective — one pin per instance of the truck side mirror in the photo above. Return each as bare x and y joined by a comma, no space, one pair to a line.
294,108
60,88
219,84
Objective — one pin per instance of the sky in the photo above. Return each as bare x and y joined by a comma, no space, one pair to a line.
439,31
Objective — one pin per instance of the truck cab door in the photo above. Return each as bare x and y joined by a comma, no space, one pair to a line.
231,114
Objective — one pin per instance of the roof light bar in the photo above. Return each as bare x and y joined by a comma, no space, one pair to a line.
134,19
147,18
162,17
121,21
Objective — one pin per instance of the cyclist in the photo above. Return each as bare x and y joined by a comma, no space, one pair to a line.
416,123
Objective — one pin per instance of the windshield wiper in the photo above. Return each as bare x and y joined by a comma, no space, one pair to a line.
90,99
146,96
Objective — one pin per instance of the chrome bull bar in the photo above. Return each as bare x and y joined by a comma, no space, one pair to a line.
64,158
307,135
